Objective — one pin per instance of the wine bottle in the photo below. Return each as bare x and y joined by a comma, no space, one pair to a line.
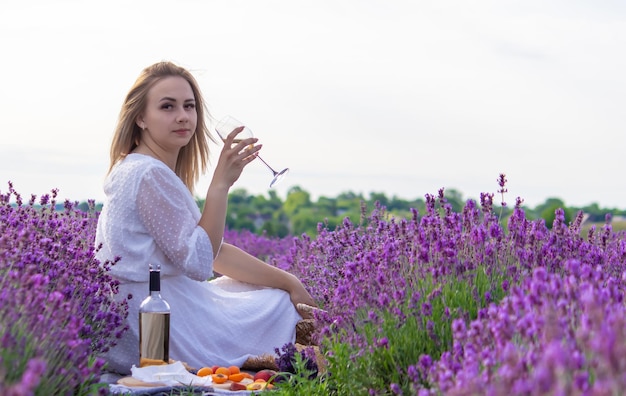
154,324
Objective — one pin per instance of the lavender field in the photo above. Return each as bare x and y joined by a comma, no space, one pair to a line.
443,303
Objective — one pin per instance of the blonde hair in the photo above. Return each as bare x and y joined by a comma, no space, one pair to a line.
192,158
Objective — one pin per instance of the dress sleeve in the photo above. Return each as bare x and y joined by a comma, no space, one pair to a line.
163,206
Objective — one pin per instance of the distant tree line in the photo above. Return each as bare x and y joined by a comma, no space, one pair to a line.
299,214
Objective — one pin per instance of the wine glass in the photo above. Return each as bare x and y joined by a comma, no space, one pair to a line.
226,126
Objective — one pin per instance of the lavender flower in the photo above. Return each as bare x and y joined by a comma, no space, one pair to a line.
497,309
56,307
286,359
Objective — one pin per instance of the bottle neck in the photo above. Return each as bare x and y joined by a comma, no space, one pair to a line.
155,283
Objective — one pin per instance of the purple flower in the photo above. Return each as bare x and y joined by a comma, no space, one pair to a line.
53,288
383,342
395,389
427,309
286,359
35,369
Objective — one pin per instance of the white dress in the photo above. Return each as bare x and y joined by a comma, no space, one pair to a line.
150,217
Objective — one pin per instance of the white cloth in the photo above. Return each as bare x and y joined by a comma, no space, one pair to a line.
170,374
150,217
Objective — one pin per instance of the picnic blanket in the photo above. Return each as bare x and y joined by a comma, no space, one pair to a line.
162,380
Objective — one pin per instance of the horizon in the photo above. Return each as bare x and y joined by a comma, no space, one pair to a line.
497,199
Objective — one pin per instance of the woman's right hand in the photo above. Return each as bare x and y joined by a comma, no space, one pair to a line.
234,157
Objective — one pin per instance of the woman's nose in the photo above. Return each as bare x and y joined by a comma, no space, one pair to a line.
182,116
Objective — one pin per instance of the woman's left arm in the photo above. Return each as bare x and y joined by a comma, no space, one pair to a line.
237,264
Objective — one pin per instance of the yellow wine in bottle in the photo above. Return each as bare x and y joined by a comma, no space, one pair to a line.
154,325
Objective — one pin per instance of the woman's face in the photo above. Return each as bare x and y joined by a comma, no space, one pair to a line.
170,118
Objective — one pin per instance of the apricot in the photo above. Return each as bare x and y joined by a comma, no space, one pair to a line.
234,369
204,371
219,378
237,377
223,370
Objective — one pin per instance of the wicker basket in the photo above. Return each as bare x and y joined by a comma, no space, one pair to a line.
304,338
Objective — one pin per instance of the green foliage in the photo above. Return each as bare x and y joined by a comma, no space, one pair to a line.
547,211
395,343
301,383
299,214
297,200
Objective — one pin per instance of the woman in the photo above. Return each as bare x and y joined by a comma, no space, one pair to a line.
159,150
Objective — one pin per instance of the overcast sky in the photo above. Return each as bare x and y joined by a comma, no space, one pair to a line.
398,97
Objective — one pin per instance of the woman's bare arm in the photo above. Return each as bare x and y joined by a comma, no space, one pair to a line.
237,264
232,160
230,260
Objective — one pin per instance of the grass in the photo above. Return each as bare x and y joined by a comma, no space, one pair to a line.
617,225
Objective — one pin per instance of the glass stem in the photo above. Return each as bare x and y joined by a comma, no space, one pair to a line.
266,164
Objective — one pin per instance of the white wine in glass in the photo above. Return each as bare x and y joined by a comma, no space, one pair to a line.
227,124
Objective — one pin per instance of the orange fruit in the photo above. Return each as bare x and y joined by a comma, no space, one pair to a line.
246,375
234,369
204,371
222,370
237,377
219,378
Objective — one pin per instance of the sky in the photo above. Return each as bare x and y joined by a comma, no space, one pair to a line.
387,96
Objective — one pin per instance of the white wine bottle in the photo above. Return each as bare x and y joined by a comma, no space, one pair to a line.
154,325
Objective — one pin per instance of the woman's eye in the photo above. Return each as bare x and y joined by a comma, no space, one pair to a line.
190,106
166,106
